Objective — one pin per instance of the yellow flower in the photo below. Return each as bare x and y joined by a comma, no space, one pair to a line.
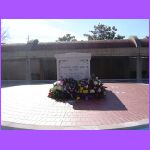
78,98
85,91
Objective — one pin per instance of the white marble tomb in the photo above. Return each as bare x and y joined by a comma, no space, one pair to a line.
73,65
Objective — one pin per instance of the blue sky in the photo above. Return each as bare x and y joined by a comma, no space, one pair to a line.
48,30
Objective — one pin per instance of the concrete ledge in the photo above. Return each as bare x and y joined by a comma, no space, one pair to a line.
7,82
144,123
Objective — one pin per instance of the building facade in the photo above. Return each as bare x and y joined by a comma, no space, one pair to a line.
111,59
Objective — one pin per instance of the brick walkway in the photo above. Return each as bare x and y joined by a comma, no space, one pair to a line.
29,105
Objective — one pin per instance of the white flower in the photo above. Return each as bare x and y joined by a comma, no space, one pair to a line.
99,90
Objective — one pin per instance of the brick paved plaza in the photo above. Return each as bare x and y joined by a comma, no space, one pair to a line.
27,106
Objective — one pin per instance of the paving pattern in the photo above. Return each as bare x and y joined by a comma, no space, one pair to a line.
29,105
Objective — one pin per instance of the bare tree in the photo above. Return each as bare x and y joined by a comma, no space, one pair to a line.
4,35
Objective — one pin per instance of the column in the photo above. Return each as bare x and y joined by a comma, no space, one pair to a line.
138,69
58,76
28,69
89,67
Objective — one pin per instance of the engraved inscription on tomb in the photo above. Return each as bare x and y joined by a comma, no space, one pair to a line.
73,67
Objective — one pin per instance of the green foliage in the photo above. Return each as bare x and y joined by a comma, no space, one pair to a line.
66,38
103,32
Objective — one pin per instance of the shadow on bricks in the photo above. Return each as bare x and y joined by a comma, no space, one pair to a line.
110,102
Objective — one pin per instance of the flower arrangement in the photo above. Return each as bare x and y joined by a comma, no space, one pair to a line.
67,89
